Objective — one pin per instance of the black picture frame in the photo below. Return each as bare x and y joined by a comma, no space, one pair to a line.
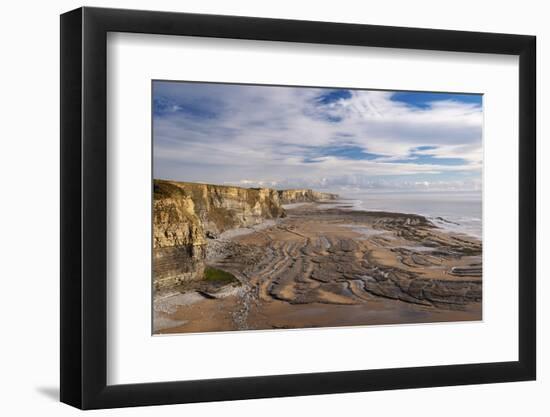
84,207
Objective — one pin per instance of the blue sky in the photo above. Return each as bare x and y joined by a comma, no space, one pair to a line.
423,100
337,139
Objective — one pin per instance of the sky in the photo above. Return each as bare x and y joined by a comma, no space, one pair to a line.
321,138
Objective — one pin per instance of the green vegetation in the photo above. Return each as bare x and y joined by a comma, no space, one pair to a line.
217,275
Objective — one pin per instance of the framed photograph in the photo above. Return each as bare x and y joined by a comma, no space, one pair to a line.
257,208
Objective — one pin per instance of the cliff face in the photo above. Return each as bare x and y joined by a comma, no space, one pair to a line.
185,214
179,242
304,195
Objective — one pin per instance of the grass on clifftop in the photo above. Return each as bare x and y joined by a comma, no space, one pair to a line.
217,275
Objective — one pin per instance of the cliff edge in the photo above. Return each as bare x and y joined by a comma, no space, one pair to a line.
304,195
186,214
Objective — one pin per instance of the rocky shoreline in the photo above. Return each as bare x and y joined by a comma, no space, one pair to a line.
326,265
187,215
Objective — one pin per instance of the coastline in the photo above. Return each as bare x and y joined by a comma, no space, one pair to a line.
453,212
327,264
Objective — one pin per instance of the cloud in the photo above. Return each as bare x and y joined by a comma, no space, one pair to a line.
222,133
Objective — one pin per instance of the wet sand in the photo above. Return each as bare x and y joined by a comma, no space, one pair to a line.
326,266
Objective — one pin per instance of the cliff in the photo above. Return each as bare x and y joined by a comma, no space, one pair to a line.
304,195
186,214
179,243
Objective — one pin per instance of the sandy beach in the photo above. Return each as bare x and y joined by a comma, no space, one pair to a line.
325,265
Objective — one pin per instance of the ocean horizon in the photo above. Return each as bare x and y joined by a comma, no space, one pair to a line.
457,211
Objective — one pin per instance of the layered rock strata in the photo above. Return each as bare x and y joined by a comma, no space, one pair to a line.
303,196
186,215
310,258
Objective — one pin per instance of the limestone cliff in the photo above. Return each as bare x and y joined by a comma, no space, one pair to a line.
179,243
304,195
185,214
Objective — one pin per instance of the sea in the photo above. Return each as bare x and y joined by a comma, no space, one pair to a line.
456,211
